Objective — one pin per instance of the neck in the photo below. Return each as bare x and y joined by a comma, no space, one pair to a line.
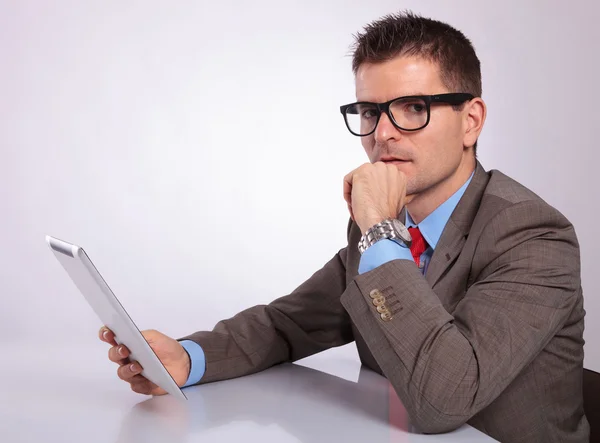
424,203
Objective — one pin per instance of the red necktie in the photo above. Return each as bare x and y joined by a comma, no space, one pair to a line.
418,244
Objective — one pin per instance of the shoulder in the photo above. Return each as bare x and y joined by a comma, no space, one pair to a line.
506,188
505,199
511,217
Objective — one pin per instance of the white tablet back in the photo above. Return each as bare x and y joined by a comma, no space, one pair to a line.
110,311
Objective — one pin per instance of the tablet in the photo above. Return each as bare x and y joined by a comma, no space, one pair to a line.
110,311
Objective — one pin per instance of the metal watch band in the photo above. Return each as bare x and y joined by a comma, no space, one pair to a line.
391,229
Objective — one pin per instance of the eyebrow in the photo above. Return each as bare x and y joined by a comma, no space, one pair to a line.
398,96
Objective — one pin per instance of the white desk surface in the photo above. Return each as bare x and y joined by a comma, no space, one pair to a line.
59,394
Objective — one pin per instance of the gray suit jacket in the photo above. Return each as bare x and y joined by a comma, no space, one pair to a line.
492,335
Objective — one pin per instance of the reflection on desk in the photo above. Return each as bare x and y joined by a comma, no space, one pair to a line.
57,395
304,403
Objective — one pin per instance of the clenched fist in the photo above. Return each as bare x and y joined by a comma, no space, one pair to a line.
374,192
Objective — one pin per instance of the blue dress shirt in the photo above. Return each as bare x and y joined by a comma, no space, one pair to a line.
431,228
197,361
376,255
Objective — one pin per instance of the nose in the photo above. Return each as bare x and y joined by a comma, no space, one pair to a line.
386,130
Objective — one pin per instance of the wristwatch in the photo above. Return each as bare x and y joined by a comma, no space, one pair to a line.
390,228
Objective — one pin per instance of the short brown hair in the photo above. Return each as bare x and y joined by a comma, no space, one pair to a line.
408,34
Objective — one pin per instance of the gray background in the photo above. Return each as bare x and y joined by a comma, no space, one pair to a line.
196,150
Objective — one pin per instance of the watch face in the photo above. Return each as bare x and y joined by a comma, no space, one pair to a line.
402,231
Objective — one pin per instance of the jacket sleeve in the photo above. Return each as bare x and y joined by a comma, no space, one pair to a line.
311,319
445,368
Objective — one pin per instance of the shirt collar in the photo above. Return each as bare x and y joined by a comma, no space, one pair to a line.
433,225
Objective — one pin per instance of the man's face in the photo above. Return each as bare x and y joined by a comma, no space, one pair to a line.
431,155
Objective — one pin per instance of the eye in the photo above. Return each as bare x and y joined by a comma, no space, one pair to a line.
368,113
416,107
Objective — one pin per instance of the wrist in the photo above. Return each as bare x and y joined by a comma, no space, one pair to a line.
186,362
194,363
390,228
370,222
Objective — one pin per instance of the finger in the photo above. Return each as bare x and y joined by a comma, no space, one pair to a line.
106,335
348,182
142,388
348,188
142,385
350,211
128,371
118,354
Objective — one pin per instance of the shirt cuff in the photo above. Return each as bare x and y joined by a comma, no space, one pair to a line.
381,252
197,361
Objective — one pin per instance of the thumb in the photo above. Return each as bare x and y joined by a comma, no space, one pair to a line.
151,334
154,338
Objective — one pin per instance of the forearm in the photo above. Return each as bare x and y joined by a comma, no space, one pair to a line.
309,320
404,346
446,368
246,343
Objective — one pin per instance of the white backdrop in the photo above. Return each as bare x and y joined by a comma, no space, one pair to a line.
196,150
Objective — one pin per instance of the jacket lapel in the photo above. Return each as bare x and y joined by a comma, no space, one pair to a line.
446,251
456,230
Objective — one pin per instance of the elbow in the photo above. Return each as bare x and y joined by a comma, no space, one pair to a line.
438,425
437,409
437,419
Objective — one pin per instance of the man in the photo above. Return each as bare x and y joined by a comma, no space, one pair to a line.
474,313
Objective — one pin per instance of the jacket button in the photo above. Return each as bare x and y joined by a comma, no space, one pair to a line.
375,293
382,309
386,316
378,301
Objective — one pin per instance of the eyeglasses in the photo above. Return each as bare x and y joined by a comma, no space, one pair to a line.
409,113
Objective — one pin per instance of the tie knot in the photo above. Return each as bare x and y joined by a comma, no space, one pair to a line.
418,245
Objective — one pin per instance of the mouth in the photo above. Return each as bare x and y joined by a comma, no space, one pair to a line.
393,161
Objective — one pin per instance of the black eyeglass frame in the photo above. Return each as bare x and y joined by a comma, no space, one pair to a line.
451,98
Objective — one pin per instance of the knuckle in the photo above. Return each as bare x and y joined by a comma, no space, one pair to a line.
139,388
123,372
141,385
115,355
361,172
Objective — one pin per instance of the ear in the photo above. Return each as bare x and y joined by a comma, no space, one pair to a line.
474,117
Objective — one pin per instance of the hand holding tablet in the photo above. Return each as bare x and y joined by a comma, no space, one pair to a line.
151,362
169,351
